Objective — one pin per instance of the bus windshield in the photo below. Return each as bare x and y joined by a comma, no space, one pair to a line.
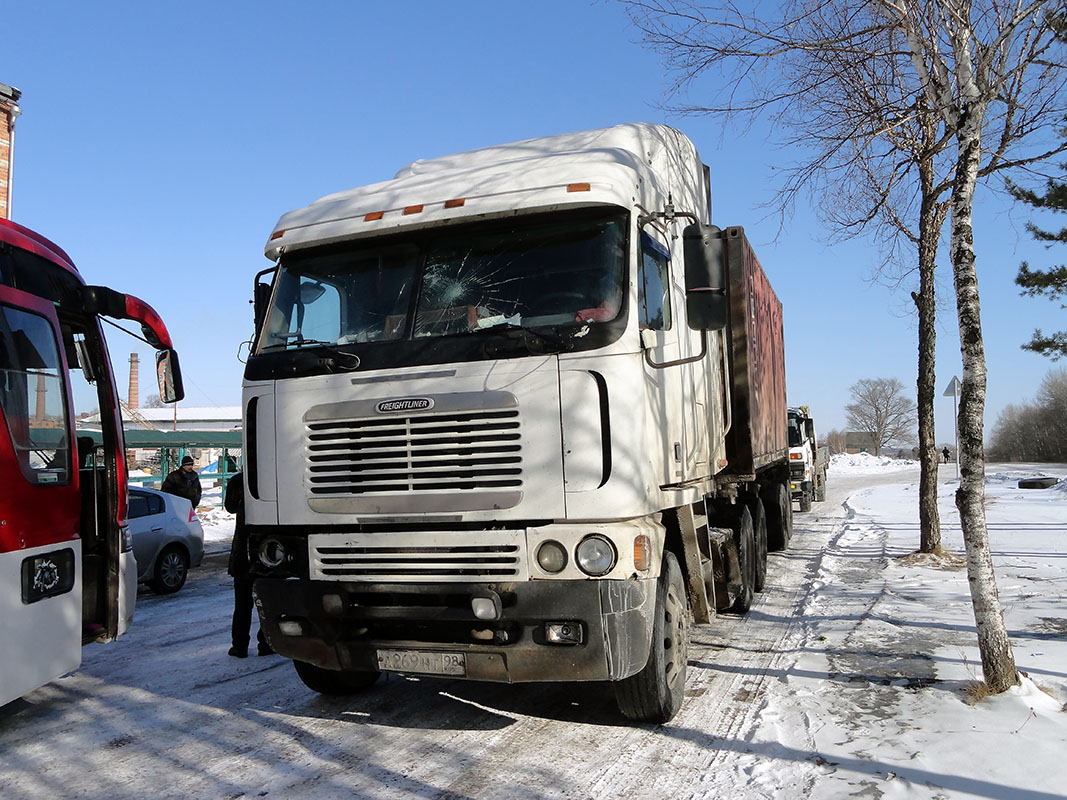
563,271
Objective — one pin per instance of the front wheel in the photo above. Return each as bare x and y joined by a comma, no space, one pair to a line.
805,500
172,567
655,693
820,490
333,681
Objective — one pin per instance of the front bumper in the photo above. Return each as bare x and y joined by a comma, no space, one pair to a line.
343,624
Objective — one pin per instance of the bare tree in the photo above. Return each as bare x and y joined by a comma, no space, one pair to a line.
153,401
851,82
880,409
835,440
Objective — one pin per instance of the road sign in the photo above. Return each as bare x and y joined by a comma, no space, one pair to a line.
953,389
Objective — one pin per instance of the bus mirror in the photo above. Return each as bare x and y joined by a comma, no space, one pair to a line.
169,376
705,277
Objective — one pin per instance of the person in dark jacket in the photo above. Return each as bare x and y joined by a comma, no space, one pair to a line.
184,482
239,569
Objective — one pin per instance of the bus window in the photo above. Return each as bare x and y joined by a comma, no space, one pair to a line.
32,396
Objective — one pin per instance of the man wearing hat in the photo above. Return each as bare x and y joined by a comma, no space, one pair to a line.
184,482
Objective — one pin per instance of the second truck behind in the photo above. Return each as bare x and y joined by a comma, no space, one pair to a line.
515,415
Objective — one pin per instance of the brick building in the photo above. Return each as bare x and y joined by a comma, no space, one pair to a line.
9,111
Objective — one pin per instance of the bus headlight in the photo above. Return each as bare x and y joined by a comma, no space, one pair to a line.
551,557
595,555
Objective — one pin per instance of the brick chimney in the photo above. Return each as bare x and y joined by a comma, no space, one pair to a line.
9,110
133,399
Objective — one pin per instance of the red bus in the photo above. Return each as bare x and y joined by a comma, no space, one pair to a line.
67,572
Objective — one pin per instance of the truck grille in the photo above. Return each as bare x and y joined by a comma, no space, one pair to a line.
401,557
451,452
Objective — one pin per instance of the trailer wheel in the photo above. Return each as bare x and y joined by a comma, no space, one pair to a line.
334,682
759,530
655,693
820,488
745,539
779,508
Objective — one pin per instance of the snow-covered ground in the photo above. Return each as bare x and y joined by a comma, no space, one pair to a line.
851,676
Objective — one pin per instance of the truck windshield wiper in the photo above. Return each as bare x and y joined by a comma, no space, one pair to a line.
341,359
534,341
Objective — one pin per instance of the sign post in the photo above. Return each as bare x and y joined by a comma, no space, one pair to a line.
953,389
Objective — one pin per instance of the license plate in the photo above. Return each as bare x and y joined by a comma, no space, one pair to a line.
424,662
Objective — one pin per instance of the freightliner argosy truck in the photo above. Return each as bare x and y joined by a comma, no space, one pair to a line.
517,415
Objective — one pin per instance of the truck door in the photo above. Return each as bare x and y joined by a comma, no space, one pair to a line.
659,336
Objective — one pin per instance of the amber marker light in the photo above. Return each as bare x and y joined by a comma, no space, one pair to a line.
374,216
642,553
458,202
578,187
277,235
412,210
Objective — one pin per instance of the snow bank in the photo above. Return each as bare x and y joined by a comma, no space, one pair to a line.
865,463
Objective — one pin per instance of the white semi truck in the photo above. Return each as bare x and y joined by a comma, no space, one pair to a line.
517,414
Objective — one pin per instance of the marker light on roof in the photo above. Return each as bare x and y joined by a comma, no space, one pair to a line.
458,202
578,187
374,216
412,209
277,235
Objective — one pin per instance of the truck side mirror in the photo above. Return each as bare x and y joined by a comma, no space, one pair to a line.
705,277
261,298
169,376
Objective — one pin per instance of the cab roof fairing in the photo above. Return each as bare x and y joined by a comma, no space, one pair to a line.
22,237
624,165
486,192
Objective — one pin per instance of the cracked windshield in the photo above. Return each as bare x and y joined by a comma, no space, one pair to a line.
566,272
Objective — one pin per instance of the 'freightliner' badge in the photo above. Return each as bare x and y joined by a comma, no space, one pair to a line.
407,404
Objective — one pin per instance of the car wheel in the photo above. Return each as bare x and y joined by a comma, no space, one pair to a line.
337,682
655,693
172,567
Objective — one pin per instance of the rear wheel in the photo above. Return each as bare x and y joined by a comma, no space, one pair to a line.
759,530
745,540
172,567
779,508
655,693
332,681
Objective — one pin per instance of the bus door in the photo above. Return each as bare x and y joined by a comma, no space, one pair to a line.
40,506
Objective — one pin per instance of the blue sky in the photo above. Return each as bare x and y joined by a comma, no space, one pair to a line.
160,142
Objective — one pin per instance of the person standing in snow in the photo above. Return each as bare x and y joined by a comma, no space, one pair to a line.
239,569
184,482
945,453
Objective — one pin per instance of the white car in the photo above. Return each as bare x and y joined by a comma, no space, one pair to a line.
168,538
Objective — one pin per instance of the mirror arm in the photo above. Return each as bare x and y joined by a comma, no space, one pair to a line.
677,363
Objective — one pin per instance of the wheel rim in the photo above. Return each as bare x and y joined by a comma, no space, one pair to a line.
674,638
172,569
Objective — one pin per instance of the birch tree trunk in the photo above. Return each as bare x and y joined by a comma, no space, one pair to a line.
998,660
930,220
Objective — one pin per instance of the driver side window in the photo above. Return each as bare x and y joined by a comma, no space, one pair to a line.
653,297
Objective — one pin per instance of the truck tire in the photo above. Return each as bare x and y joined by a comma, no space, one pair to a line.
745,539
334,682
655,693
805,499
820,489
779,508
759,531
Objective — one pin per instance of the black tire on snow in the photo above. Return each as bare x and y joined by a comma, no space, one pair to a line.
171,570
820,490
759,530
745,539
334,682
779,508
655,693
805,500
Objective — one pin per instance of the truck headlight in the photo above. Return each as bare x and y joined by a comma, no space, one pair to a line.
271,553
551,557
595,555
